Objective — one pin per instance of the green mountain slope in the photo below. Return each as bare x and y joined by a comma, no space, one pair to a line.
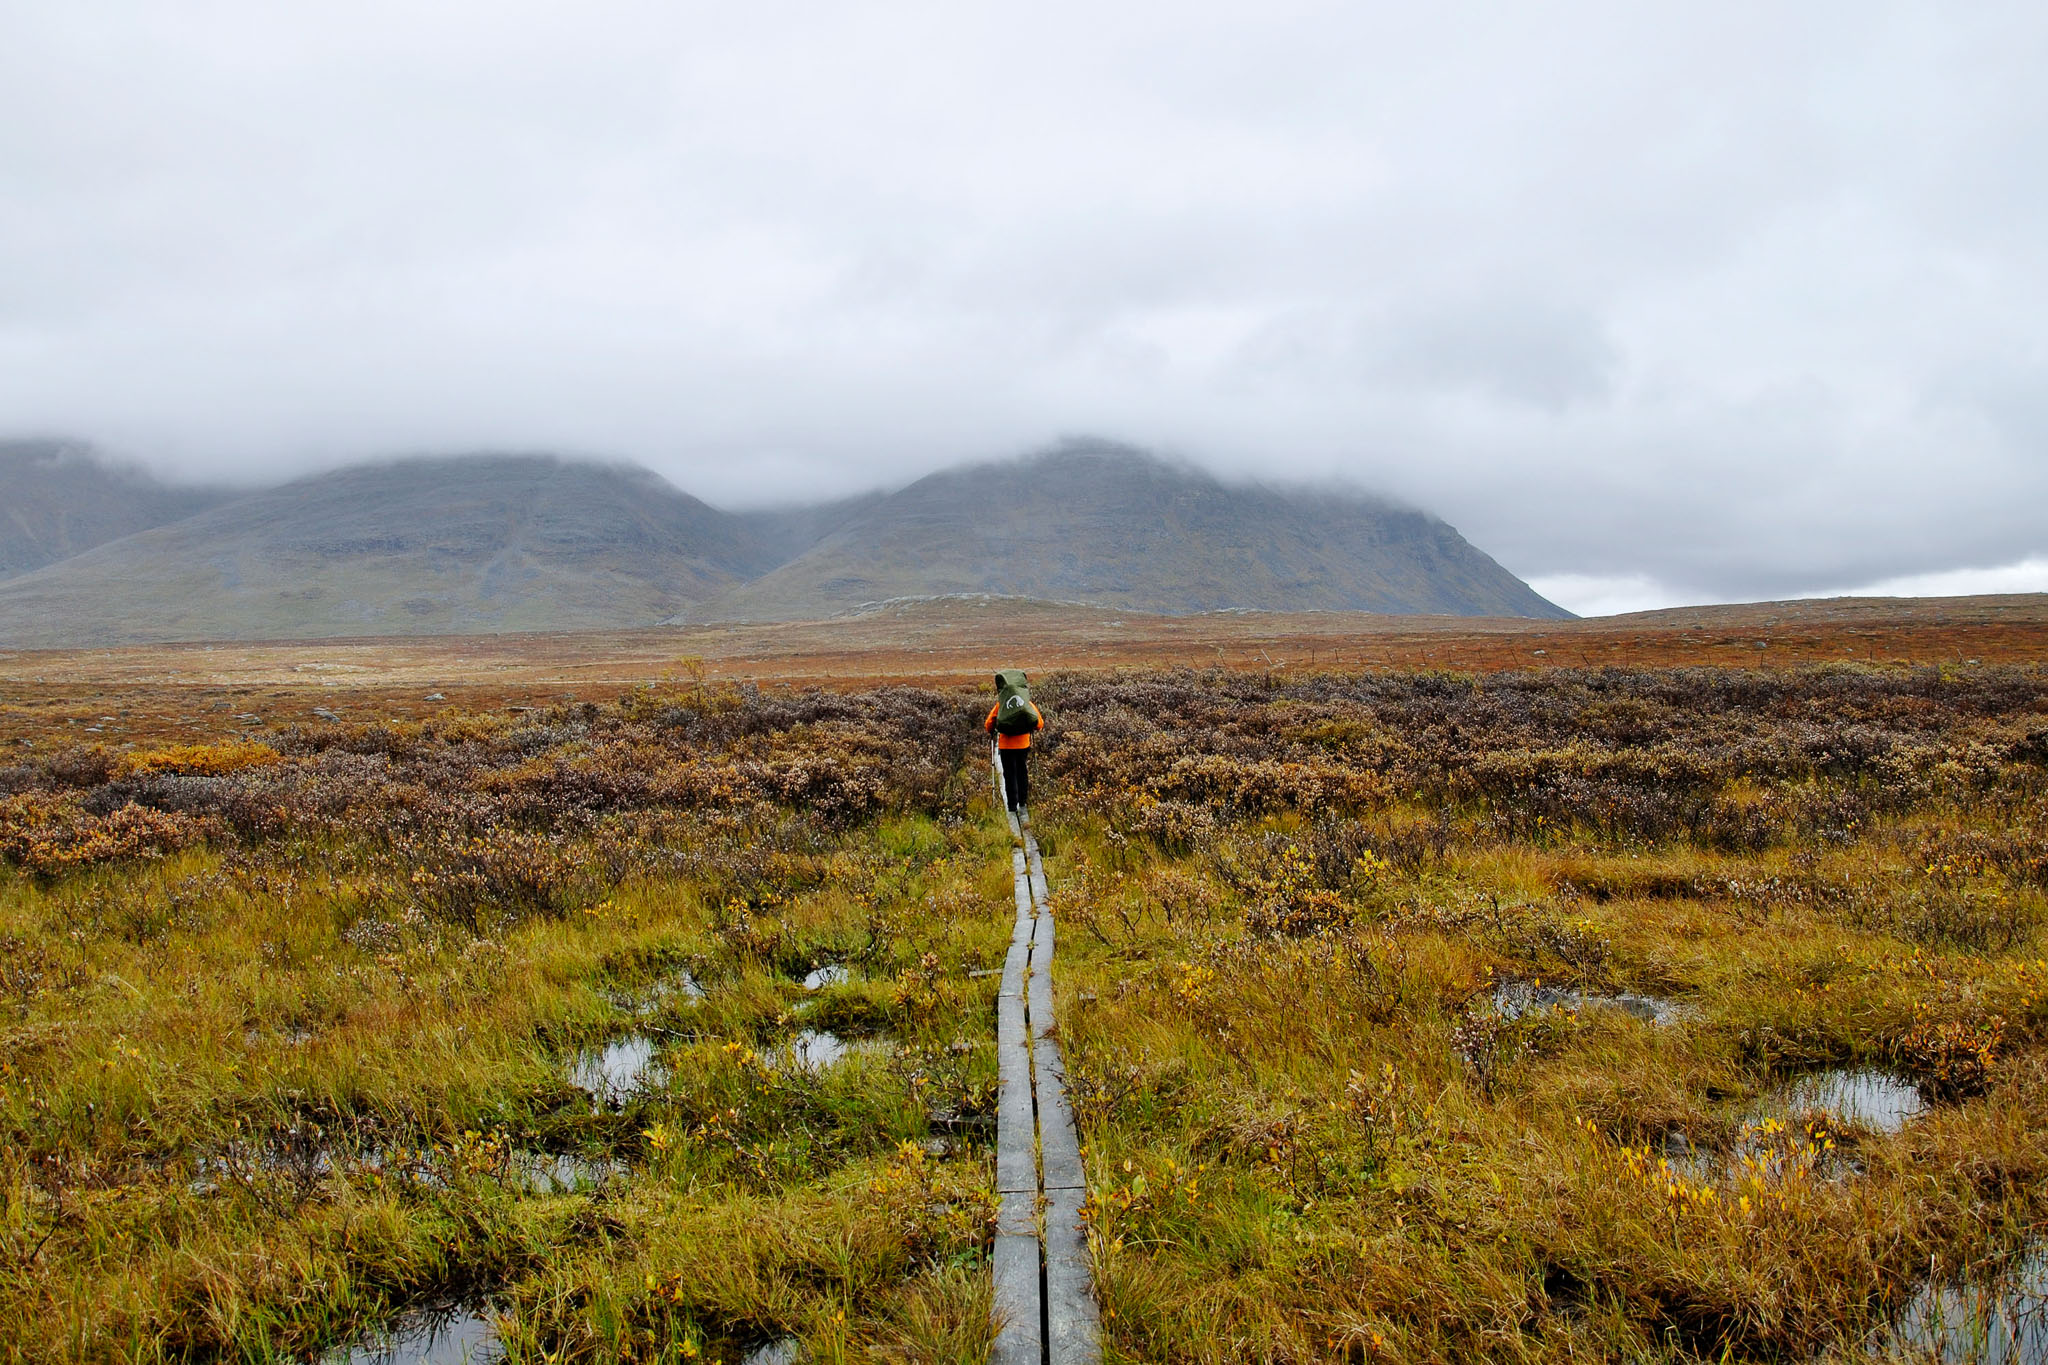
494,543
1105,524
58,499
414,547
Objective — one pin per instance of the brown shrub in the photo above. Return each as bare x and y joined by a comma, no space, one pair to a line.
47,835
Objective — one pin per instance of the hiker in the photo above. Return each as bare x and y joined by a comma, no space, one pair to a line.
1013,720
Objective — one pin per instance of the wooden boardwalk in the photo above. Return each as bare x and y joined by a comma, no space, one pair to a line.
1045,1306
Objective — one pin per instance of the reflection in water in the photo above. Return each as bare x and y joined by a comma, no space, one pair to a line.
815,1049
613,1075
552,1173
444,1334
1779,1138
1513,999
2003,1321
1863,1096
680,987
783,1352
832,974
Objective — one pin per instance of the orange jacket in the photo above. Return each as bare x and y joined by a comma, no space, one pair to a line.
1022,741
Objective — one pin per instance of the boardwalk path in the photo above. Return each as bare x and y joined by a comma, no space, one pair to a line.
1044,1297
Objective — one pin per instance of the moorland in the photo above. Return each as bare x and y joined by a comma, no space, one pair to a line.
1424,997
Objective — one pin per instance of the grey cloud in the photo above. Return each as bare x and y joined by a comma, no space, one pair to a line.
1738,298
1506,351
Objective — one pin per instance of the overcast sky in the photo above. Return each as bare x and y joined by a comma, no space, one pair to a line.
1655,303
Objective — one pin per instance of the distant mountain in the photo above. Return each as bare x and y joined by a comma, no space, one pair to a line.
781,534
1106,524
59,498
492,543
412,547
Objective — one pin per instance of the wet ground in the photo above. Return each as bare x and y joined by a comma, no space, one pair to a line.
555,1173
438,1334
1999,1320
1862,1097
832,974
615,1073
1513,999
681,988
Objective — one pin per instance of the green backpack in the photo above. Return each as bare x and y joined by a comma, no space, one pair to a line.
1015,715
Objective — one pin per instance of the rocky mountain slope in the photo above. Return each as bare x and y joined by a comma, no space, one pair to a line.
494,543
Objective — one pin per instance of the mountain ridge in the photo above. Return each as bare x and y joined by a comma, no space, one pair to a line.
502,542
61,498
1112,525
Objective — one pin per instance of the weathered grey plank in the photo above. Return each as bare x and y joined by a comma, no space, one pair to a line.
1073,1322
1041,1183
1059,1141
1020,1334
1039,990
1039,895
1014,966
1016,1120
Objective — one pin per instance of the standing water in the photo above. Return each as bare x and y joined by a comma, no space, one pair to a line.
445,1334
1863,1096
2002,1321
614,1074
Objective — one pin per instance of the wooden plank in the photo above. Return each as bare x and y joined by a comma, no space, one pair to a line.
1059,1141
1073,1322
1025,909
1041,1185
1020,1333
1040,897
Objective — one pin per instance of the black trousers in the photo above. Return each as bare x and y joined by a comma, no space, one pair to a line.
1016,777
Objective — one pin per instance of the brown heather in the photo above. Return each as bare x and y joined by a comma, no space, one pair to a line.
285,1020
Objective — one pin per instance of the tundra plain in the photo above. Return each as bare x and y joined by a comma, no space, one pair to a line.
1666,987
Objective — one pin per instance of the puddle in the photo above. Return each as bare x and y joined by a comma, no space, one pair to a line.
1863,1096
443,1334
553,1173
1777,1139
525,1170
832,974
815,1049
784,1352
616,1074
301,1156
682,987
1513,999
1999,1321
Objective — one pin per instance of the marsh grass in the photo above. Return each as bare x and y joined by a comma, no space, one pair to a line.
1312,1132
270,1081
287,1025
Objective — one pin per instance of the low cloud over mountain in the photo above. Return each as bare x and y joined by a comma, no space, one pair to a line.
495,543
